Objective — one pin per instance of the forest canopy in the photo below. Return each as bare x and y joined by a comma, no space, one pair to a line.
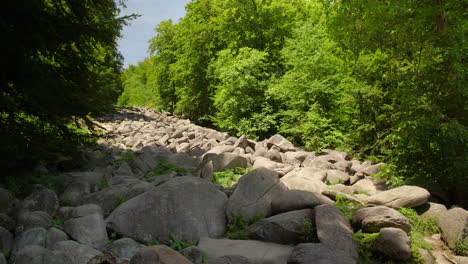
381,79
59,64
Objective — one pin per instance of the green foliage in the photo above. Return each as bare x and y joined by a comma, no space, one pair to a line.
165,167
228,177
112,237
6,253
58,222
345,206
179,245
127,156
67,201
20,184
310,233
364,241
421,224
67,67
103,184
121,199
236,228
461,247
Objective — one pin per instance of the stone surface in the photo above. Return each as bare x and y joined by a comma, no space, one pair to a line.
337,176
255,251
454,226
431,209
123,248
186,207
158,254
392,243
319,253
7,222
6,240
231,259
370,186
334,230
227,161
285,228
254,194
305,183
42,200
34,236
278,140
55,235
372,219
403,196
194,254
291,200
89,230
29,255
28,220
78,253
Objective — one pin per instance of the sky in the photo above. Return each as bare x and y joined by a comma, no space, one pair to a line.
134,42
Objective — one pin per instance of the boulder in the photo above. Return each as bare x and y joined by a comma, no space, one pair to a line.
337,176
123,248
254,251
285,228
349,190
241,142
262,162
333,229
403,196
304,182
6,240
55,235
84,210
370,186
392,243
8,202
39,255
254,194
93,179
88,230
42,200
78,253
291,200
295,158
372,169
454,226
319,253
158,254
177,207
281,142
7,222
273,155
28,220
372,219
227,161
431,209
194,254
318,163
74,193
230,259
34,236
111,197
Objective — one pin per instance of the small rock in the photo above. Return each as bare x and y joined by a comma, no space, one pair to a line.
392,243
123,248
291,200
158,254
319,253
372,219
403,196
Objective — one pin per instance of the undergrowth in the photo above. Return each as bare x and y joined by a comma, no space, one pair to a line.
20,185
228,177
236,228
461,247
165,167
179,245
345,206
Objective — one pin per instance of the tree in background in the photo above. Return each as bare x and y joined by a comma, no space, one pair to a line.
59,62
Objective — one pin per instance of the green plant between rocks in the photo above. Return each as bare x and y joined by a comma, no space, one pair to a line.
310,233
103,184
236,228
228,177
179,245
165,167
127,156
345,206
58,222
461,247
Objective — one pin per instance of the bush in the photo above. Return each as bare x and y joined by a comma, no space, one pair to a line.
228,177
236,228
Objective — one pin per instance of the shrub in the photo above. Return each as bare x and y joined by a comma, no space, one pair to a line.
236,228
228,177
179,245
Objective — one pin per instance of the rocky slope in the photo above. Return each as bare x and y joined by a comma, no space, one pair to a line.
150,182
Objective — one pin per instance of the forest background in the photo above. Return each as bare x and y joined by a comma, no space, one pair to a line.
382,80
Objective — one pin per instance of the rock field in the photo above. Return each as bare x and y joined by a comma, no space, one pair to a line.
150,185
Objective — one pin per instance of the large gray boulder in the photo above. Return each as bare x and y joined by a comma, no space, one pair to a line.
186,207
291,200
39,255
286,228
28,220
6,240
256,252
319,253
230,259
30,237
42,200
89,230
403,196
392,243
305,182
281,142
454,226
8,202
158,254
123,248
431,209
224,161
333,229
370,186
254,193
55,235
78,253
111,197
372,219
